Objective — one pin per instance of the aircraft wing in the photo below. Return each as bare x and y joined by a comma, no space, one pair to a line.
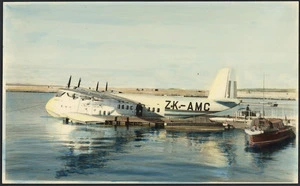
116,97
101,95
84,118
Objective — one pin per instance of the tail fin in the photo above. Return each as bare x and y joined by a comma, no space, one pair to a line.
224,85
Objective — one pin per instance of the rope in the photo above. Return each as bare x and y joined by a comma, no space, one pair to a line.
25,108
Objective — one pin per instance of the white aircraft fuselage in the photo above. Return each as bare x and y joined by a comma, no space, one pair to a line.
153,106
93,103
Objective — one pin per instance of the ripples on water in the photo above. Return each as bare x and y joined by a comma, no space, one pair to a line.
41,148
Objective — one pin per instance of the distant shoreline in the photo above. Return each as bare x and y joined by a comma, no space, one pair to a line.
256,93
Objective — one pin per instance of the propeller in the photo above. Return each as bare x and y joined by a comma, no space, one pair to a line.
97,86
79,82
69,83
106,86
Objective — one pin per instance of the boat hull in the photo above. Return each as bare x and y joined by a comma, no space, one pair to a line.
268,138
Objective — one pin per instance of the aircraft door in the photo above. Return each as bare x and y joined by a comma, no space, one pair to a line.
139,110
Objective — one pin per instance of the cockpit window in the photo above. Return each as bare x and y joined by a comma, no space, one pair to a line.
60,93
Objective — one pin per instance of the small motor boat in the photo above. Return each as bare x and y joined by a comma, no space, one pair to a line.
263,132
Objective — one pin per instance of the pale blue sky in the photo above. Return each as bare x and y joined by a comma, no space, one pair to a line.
133,44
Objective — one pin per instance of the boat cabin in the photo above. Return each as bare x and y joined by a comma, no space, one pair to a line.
266,124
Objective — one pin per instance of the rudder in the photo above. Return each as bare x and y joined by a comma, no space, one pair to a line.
224,85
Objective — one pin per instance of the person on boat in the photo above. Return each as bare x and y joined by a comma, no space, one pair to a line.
247,111
270,125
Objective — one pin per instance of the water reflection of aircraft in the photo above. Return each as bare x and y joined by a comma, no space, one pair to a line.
215,153
93,106
90,147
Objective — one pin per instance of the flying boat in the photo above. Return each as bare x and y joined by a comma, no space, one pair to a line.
85,105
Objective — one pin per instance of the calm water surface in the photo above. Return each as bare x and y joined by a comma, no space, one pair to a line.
38,148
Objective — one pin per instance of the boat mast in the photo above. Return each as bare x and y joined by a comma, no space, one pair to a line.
263,95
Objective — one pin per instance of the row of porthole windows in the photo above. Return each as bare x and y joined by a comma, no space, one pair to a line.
100,112
123,107
153,109
104,113
127,107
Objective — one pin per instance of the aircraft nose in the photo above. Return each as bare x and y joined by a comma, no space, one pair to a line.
50,108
